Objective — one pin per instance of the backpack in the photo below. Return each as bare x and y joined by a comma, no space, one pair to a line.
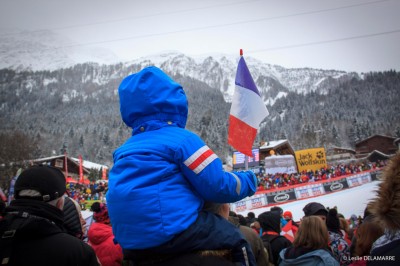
267,241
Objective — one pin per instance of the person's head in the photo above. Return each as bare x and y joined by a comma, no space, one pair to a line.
315,209
41,183
232,213
332,220
344,225
251,215
152,95
255,225
277,209
312,234
366,235
287,215
100,213
270,221
385,207
353,218
242,219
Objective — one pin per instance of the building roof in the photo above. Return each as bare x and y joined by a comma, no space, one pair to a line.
74,161
377,155
90,165
374,136
273,144
341,148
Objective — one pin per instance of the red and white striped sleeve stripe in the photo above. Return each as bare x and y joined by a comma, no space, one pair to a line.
200,159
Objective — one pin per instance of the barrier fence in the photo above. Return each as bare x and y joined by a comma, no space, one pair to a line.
303,191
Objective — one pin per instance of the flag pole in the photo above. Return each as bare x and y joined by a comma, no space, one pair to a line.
246,157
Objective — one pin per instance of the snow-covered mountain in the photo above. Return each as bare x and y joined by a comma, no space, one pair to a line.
81,99
219,70
46,50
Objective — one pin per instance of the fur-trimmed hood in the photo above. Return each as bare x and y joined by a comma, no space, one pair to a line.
386,206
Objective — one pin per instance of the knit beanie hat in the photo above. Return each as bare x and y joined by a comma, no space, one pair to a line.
314,208
277,209
332,220
287,215
100,213
270,221
47,180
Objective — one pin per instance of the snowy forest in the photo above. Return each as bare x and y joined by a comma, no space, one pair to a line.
45,113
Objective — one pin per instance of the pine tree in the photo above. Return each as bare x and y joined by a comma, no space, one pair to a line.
335,136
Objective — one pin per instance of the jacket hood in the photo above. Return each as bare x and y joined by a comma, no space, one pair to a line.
270,221
316,257
32,219
151,95
98,233
386,206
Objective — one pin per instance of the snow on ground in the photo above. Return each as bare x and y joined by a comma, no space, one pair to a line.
349,201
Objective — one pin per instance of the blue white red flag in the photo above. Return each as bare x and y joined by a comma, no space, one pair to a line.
247,111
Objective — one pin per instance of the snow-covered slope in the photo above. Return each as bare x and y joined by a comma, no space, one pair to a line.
358,196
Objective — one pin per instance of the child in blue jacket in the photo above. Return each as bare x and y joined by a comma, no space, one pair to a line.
163,174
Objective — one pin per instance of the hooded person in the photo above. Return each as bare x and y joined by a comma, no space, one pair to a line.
32,231
101,238
270,223
385,209
167,173
339,246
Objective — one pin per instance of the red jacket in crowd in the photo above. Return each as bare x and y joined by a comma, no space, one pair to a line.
101,239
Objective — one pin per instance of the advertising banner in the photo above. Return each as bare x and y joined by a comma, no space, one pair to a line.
249,203
358,179
240,206
309,191
238,159
336,185
281,196
310,159
280,164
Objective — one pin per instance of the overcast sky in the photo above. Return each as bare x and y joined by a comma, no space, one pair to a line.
350,35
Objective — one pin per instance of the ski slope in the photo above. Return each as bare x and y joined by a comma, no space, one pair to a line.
349,201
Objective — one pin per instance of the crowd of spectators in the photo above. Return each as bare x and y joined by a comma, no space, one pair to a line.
278,180
84,192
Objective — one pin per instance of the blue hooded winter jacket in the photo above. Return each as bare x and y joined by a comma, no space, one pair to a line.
163,173
318,257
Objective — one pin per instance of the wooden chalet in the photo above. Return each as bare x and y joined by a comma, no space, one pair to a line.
279,147
376,156
66,164
383,144
339,153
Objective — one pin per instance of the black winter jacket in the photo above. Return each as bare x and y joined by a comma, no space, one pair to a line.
72,221
32,234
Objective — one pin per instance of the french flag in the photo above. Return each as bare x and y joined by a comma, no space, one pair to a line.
247,111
